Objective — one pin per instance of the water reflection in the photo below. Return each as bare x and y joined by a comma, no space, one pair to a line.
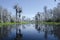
18,33
49,31
37,27
57,31
23,26
10,32
46,32
28,32
4,32
40,27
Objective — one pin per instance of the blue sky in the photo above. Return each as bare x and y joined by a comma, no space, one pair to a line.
29,7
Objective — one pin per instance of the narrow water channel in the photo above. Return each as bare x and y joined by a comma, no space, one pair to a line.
30,32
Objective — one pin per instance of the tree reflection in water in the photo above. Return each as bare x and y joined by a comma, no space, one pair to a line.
57,31
37,27
18,33
4,32
23,26
45,32
49,30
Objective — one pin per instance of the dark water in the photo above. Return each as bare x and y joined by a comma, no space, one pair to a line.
30,32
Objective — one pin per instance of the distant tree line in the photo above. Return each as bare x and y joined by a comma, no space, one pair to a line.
49,15
5,16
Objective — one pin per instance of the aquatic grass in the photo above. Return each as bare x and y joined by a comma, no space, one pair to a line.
52,23
11,23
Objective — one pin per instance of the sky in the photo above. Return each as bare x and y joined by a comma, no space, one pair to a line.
29,7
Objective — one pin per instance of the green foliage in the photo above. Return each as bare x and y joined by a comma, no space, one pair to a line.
49,20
